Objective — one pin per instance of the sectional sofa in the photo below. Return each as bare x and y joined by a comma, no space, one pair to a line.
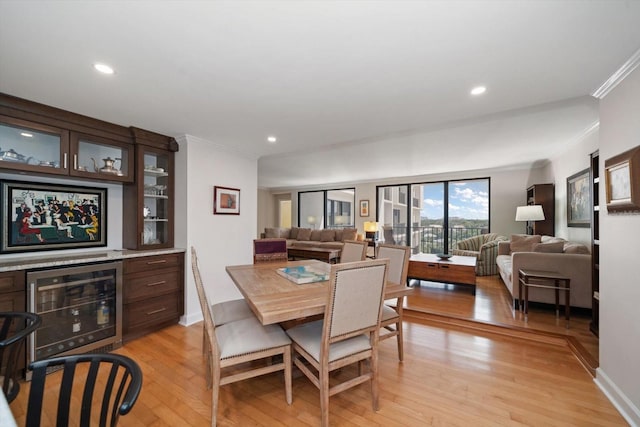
546,253
306,237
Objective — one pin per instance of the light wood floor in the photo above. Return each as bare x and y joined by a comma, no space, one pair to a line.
449,378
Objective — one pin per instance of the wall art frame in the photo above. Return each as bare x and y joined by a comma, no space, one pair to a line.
226,201
622,181
579,199
40,217
364,208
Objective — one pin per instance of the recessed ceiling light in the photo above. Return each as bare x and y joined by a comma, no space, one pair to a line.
103,68
272,139
26,134
478,90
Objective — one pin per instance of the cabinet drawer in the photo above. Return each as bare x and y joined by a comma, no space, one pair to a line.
150,263
146,285
151,311
12,282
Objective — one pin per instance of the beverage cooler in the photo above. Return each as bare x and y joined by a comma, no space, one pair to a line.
81,309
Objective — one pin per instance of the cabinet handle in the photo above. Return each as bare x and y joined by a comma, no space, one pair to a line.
444,266
64,160
162,282
162,261
160,310
75,162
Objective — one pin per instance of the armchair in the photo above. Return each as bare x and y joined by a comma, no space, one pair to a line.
485,248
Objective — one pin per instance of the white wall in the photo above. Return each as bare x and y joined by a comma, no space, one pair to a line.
114,213
619,371
508,190
220,240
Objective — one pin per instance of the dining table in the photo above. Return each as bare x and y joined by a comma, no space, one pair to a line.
276,299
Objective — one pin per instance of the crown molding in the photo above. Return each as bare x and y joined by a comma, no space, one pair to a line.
618,76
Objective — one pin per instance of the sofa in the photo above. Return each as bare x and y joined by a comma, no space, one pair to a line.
485,248
546,253
306,237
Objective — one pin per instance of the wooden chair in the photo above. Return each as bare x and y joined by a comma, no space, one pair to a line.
398,267
346,335
353,250
239,342
267,250
15,327
112,380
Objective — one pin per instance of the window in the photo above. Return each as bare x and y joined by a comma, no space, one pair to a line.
326,208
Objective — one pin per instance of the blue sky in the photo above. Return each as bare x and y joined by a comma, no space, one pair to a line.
468,200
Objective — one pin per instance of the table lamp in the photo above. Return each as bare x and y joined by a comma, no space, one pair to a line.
529,214
311,220
371,230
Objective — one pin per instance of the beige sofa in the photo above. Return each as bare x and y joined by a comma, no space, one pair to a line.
306,237
546,253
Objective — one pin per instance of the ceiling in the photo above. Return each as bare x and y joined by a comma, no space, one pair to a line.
354,90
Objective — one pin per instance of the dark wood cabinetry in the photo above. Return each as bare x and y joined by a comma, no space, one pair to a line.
544,195
12,291
595,242
153,293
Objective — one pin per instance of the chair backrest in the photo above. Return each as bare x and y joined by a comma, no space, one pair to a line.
14,329
209,324
355,300
114,379
353,251
267,250
398,261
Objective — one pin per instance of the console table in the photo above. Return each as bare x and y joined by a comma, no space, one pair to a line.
457,269
322,254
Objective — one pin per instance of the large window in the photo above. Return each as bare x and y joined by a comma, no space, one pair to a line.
326,208
437,215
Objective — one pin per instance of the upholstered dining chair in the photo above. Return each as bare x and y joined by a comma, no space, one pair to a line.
392,317
239,342
109,382
353,250
348,333
15,327
267,250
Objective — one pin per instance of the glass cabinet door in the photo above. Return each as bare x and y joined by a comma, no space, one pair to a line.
33,147
94,156
156,209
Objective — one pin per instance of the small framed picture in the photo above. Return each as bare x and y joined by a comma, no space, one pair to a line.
364,208
226,201
622,175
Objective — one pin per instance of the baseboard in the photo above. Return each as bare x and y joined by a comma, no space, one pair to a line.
190,319
627,409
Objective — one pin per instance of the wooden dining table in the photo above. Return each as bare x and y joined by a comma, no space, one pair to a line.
275,299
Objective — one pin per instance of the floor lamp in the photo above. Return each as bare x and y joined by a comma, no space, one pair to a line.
529,214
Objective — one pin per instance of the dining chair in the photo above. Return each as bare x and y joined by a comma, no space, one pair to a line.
239,342
391,323
268,250
348,333
110,382
15,327
353,250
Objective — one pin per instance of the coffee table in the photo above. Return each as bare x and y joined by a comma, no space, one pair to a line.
460,270
322,254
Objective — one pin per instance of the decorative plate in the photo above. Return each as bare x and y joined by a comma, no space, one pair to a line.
444,256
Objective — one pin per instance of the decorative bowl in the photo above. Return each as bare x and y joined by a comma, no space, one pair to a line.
444,256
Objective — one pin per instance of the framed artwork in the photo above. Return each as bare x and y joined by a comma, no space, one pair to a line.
39,217
622,180
226,201
579,199
364,208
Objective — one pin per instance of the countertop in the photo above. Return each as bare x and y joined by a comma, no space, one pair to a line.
45,261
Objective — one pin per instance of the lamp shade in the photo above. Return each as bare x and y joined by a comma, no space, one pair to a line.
371,226
529,213
311,219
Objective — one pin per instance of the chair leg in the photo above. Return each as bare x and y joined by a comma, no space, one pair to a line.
323,376
400,336
287,375
215,394
374,378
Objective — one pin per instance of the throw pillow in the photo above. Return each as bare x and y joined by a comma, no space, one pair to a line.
523,243
549,248
304,234
285,233
327,236
315,235
272,233
293,234
338,237
576,248
349,234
